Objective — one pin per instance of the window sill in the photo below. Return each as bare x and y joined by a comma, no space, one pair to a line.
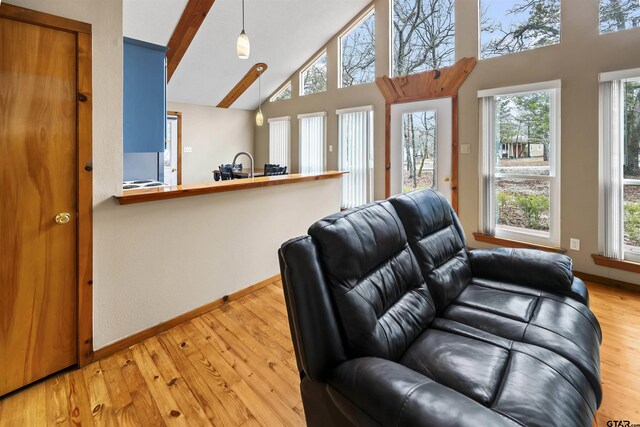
634,267
509,243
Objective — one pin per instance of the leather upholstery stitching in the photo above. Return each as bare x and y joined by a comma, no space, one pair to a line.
497,411
507,367
488,310
400,230
541,294
556,351
406,399
534,311
563,376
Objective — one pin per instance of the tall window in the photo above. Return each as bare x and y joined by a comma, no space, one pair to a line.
313,79
519,25
358,52
618,15
312,142
423,35
280,141
521,165
356,155
620,165
284,93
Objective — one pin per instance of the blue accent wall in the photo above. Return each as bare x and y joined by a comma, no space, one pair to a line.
145,109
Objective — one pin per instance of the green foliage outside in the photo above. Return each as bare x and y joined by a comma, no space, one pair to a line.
632,223
523,210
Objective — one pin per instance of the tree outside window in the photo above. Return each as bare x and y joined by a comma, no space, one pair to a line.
509,27
314,77
423,35
285,93
631,165
618,15
358,53
522,153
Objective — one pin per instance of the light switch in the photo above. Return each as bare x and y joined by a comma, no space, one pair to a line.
331,148
574,244
465,148
188,149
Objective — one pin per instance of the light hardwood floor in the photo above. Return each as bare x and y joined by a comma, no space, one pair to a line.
235,366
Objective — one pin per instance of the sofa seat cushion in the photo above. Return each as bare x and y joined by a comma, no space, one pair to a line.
557,323
526,383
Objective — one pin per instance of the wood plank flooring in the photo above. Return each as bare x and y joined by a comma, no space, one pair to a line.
235,366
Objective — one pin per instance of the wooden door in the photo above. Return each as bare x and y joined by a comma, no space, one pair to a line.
38,159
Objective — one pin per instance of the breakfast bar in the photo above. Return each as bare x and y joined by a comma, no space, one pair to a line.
177,191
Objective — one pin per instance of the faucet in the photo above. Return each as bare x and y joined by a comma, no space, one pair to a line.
250,158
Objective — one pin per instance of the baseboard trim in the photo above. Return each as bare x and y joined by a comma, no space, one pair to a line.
587,277
161,327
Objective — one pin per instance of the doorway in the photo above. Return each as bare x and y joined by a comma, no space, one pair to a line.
173,149
46,209
421,146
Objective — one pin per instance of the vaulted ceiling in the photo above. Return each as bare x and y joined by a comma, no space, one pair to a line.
283,33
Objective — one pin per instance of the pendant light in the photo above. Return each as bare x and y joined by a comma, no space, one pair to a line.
259,116
243,47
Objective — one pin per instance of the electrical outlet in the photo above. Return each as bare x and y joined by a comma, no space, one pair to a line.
331,148
574,244
465,148
188,149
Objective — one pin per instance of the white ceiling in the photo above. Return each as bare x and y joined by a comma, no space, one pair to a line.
283,33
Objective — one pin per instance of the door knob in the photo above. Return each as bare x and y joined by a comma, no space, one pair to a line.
63,218
447,179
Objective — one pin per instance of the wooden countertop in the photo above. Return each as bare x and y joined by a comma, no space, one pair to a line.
173,192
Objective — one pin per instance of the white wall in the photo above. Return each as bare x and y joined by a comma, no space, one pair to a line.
215,136
165,258
154,261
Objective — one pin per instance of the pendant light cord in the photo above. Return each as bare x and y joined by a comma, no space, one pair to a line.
259,87
242,15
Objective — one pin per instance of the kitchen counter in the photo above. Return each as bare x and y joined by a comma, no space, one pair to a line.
176,191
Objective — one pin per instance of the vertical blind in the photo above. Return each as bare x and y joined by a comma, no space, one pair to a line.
312,138
487,170
611,197
356,155
280,141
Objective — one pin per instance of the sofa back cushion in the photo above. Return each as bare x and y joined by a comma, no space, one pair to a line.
380,297
438,242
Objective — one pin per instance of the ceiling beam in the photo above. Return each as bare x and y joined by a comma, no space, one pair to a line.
243,85
190,21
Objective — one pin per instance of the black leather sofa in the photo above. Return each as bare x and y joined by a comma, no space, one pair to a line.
396,323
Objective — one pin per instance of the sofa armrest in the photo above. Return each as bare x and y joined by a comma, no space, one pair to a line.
392,394
528,267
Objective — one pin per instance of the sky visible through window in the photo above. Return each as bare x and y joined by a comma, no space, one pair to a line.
358,49
618,15
509,26
423,35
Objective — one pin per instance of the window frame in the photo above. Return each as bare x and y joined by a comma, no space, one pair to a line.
481,57
487,215
622,76
281,91
306,68
366,14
